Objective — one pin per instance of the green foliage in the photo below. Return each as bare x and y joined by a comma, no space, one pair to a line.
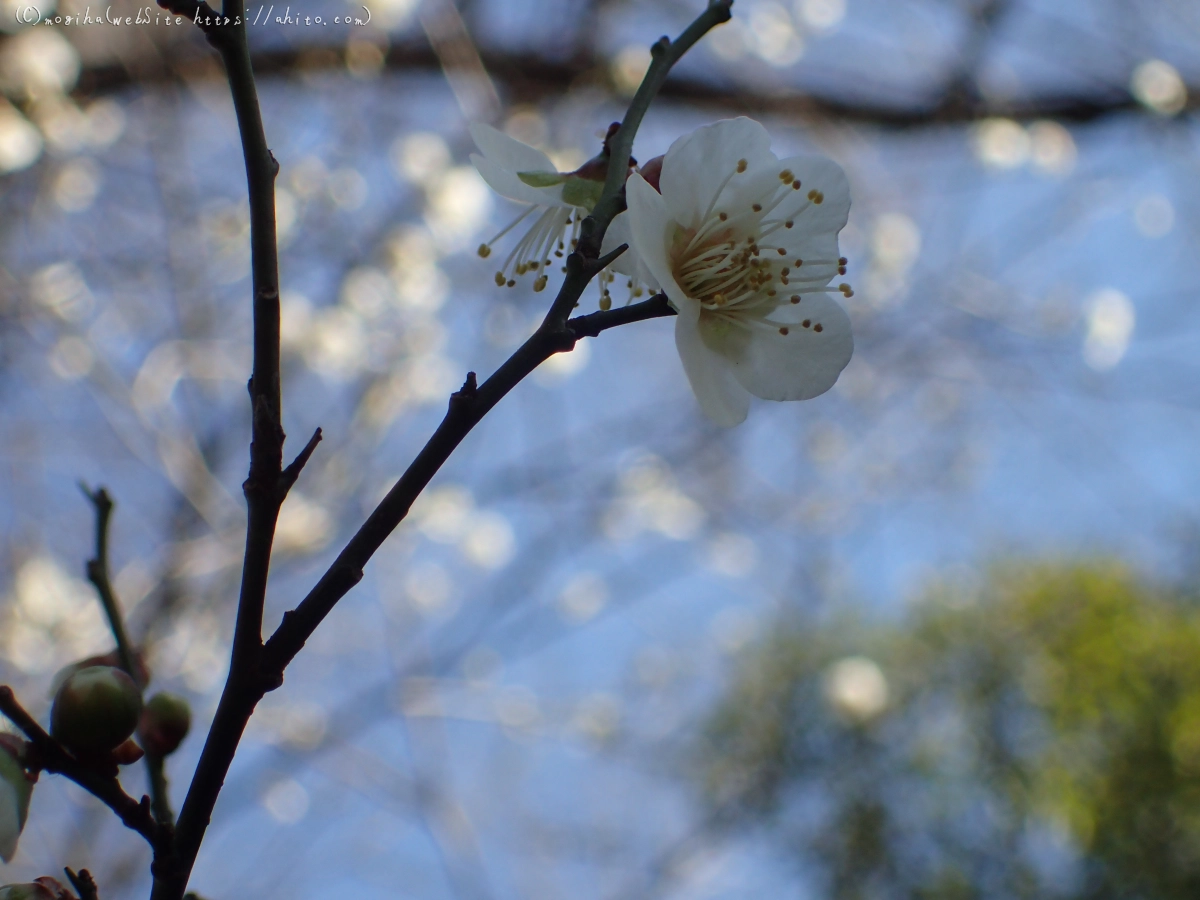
1040,737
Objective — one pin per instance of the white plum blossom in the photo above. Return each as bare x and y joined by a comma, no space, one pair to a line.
558,201
745,246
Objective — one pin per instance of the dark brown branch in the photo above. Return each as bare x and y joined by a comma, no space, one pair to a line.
527,80
593,323
48,754
262,488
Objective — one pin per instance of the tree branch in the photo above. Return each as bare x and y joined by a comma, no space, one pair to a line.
262,488
256,668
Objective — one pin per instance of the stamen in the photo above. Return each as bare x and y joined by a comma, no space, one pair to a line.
818,327
485,251
741,166
783,331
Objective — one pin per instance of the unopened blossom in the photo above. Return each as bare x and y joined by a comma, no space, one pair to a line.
16,785
745,246
555,202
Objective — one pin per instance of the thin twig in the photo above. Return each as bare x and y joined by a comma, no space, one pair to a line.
50,755
292,472
98,574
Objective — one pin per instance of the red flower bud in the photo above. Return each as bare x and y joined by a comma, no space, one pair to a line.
95,710
652,171
166,720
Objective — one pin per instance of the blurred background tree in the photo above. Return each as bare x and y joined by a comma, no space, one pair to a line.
501,708
1032,736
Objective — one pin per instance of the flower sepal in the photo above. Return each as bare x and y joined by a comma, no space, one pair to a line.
16,787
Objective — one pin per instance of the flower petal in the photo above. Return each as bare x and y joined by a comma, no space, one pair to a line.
800,365
508,152
720,396
698,163
820,174
629,262
507,184
652,229
818,255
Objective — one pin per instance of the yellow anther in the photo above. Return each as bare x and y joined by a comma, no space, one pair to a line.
812,195
786,175
499,279
741,166
819,199
540,284
485,251
606,303
844,288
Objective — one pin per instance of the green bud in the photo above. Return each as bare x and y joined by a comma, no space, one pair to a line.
95,710
44,888
165,722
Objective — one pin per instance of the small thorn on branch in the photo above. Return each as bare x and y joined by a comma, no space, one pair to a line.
288,476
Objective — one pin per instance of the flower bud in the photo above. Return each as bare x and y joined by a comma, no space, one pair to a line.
112,658
15,787
95,710
652,171
165,722
44,888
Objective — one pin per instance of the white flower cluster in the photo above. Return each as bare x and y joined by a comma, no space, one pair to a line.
743,244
